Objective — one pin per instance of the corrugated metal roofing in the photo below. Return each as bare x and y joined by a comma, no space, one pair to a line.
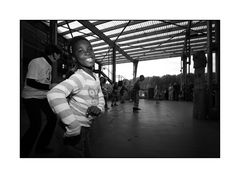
139,39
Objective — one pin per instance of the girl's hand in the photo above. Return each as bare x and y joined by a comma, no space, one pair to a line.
93,111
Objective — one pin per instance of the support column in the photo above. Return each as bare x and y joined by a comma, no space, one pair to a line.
21,59
199,92
53,40
217,49
135,65
99,70
185,55
184,75
188,48
114,64
53,32
209,64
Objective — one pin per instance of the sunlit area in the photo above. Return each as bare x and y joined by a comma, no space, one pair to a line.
171,66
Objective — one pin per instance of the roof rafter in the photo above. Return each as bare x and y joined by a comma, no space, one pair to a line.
96,31
82,28
175,29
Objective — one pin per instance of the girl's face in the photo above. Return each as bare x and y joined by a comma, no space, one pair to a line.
83,53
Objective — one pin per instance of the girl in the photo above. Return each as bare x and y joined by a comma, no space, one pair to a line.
78,99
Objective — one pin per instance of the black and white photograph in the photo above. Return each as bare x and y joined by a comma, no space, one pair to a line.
120,88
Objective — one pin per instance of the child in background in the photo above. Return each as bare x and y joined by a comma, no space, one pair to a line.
136,89
156,94
122,90
114,94
78,99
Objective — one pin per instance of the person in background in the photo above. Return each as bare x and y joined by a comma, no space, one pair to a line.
78,100
170,92
34,94
122,90
136,89
176,91
156,94
114,94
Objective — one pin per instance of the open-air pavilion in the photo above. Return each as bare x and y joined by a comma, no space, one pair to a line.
164,130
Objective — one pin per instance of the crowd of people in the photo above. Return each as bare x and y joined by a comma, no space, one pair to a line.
120,91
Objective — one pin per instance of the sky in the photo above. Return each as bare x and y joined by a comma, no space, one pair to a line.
150,68
161,67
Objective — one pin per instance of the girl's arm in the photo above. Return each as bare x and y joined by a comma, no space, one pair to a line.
57,98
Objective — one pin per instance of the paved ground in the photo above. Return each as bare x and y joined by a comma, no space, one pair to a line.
163,130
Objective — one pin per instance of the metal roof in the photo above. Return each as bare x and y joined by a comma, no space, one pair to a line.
136,39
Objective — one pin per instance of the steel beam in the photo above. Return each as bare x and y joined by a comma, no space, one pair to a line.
70,30
217,50
53,38
82,28
135,66
163,51
183,27
163,43
164,30
96,31
53,32
164,56
209,63
64,22
114,64
151,34
141,29
170,46
118,26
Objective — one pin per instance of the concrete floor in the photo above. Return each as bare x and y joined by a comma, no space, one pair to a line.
163,130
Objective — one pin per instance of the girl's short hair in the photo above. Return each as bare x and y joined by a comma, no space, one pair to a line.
73,41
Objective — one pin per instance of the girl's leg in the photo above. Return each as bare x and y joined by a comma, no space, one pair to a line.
77,146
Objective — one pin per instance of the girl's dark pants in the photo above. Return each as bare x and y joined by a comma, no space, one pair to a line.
77,146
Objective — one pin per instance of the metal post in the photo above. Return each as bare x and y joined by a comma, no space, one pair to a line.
53,32
53,40
209,64
189,63
184,70
217,48
99,69
185,55
135,65
114,64
199,99
189,45
21,58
